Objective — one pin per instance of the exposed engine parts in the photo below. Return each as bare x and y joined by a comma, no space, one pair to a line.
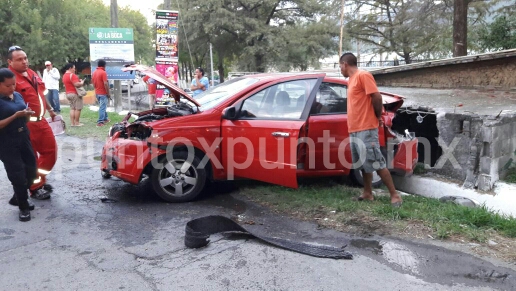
138,128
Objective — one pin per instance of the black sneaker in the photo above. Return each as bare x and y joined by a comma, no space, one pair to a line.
24,215
14,202
48,187
40,194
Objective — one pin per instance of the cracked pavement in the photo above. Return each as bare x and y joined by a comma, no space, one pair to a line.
76,242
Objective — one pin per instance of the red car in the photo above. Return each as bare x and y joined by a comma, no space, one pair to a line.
268,127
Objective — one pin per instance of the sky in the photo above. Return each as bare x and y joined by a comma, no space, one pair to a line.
144,6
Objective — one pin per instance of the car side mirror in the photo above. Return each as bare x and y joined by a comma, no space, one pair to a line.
229,113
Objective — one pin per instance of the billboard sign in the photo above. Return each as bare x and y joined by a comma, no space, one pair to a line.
116,47
166,35
170,70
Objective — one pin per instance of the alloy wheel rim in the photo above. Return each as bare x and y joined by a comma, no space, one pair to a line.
178,177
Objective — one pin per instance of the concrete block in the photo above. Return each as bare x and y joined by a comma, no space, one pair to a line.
487,134
484,182
485,165
466,128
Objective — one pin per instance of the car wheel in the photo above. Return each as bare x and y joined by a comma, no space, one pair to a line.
105,174
178,179
358,178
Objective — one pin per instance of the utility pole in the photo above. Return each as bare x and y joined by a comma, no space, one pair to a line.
117,84
167,5
211,61
341,28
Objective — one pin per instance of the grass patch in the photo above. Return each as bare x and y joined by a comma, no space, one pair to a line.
89,119
328,201
511,175
420,169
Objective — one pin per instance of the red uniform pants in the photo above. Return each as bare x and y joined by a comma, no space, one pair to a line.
45,148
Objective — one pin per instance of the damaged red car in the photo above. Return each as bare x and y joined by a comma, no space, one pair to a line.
268,127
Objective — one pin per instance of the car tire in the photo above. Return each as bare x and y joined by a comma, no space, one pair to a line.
357,178
173,183
105,174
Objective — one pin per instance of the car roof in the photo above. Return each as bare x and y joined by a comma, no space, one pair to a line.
273,76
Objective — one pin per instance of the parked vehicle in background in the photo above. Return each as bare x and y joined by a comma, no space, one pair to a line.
268,127
188,92
125,84
232,75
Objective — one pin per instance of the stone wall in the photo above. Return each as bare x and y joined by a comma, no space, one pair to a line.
486,74
498,149
475,148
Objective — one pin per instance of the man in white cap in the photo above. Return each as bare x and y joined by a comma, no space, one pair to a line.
51,78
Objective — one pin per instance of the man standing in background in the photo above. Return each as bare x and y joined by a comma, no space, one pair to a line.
200,83
151,86
100,82
31,87
51,78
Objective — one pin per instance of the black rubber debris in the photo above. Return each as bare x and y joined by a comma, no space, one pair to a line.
107,200
199,230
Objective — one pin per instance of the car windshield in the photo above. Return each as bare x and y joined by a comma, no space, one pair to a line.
220,93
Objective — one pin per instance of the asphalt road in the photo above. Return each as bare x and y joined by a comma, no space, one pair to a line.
76,242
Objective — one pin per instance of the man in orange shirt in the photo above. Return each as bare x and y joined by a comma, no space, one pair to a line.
364,117
100,82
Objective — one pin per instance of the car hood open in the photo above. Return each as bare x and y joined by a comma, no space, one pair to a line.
154,74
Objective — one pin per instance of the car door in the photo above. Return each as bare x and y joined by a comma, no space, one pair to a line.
327,127
260,143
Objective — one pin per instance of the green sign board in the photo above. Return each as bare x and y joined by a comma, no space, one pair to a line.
116,47
112,34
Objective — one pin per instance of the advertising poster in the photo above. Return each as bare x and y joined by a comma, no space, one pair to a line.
166,35
116,47
168,69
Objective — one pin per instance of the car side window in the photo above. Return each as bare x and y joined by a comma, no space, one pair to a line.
281,101
331,98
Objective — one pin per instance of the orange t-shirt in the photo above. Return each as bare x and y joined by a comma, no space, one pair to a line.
98,79
361,114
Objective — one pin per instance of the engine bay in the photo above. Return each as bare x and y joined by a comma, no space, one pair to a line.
139,129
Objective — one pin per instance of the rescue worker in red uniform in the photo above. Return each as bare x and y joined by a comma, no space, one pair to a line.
32,88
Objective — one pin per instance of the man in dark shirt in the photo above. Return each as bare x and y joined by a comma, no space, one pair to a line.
16,152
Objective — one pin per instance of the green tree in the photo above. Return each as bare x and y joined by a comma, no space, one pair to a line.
302,46
500,34
57,30
407,28
250,32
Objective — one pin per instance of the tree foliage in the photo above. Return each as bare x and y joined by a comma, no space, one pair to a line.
500,34
258,33
406,28
415,29
57,30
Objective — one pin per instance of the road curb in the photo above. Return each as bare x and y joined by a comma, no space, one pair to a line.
502,199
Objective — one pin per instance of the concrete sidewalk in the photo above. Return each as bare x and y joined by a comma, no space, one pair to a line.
501,199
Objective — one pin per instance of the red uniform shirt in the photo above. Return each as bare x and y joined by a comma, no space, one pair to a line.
98,78
361,114
68,83
152,86
26,86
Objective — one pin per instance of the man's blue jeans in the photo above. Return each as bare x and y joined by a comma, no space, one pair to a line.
103,100
53,99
